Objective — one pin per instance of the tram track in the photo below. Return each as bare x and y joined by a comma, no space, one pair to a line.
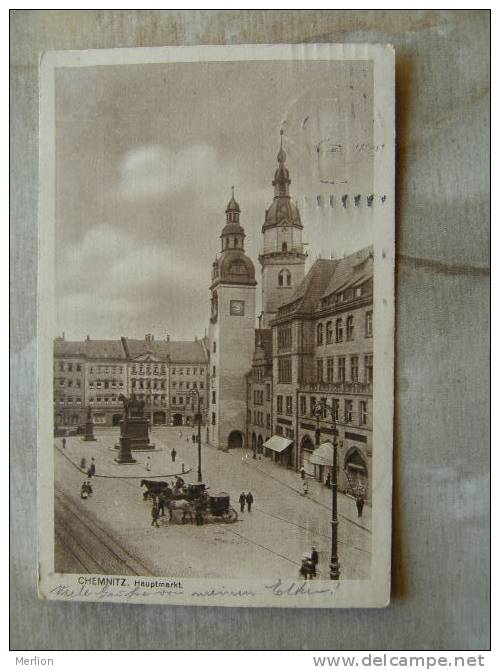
109,557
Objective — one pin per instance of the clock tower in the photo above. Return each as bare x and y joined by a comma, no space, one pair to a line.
282,257
231,333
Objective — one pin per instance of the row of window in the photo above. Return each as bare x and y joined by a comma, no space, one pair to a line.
350,414
157,399
106,384
188,385
69,367
348,294
338,373
259,373
136,369
285,338
106,369
258,397
288,404
69,400
180,400
68,383
258,419
325,332
148,384
187,371
285,370
148,369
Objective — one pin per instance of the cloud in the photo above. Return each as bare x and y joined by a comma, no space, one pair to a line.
153,170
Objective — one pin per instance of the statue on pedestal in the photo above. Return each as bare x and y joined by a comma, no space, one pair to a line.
88,435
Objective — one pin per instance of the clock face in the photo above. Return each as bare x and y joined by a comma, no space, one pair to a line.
237,307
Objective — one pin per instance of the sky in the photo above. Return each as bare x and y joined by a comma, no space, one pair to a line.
145,159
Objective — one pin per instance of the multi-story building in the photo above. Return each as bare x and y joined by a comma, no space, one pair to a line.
259,392
188,373
105,380
94,373
323,355
69,382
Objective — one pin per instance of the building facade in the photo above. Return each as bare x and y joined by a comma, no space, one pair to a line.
260,393
231,334
323,356
94,373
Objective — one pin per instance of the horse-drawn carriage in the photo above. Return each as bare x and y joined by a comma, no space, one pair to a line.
193,500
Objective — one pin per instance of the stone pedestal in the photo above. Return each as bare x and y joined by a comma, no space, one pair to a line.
136,429
125,453
88,434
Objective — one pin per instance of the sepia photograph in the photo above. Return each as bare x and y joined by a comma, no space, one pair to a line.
216,325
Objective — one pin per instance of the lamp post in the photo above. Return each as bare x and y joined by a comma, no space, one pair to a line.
195,394
334,558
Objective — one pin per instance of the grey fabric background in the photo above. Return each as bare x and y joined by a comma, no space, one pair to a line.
441,464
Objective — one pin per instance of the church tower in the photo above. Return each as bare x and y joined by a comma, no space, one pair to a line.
231,333
282,257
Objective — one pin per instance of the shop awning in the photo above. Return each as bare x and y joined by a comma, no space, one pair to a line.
277,443
323,455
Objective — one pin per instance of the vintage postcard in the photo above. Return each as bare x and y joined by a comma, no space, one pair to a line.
216,325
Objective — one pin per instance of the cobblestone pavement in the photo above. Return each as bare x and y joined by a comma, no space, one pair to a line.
270,540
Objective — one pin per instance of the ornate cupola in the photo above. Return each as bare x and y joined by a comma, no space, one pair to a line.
233,266
282,212
233,235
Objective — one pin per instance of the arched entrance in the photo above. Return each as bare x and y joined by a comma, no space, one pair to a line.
235,440
306,450
159,418
177,419
356,472
116,419
260,442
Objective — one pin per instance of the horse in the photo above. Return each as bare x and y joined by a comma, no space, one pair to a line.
153,488
184,505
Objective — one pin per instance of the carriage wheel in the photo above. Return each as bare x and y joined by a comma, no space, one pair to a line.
230,516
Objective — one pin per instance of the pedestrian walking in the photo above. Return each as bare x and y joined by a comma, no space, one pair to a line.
161,505
302,473
91,470
328,480
305,487
360,502
173,454
64,443
242,501
154,515
180,434
83,464
148,463
249,499
193,438
183,468
314,559
198,510
306,567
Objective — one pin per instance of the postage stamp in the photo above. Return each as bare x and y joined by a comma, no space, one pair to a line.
216,325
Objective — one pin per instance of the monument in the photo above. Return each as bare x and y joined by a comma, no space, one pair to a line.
134,430
88,432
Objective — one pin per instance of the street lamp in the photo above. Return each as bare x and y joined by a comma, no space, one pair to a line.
196,394
319,409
